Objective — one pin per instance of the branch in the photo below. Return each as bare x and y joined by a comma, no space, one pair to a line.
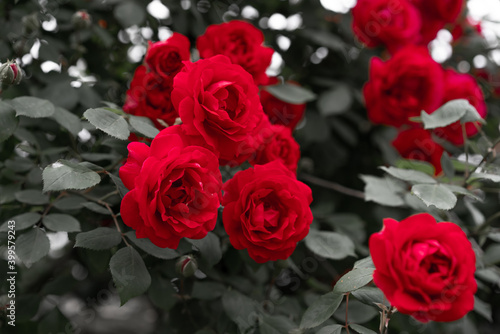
331,185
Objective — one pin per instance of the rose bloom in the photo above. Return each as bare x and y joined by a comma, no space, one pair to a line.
425,269
435,15
403,86
461,86
393,23
242,43
266,211
175,189
166,57
218,102
277,143
149,96
417,144
280,112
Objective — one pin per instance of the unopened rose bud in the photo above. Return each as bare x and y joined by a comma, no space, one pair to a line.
81,20
186,265
31,23
10,74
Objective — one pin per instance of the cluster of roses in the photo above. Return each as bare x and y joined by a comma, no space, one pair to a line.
175,183
411,81
425,269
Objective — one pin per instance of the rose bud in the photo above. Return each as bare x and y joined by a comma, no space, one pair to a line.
186,265
81,20
10,74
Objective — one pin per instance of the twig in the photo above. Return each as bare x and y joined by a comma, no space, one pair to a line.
107,206
332,185
347,312
466,148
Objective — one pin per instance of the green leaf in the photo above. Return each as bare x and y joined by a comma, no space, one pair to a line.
449,113
33,107
462,191
353,280
321,310
129,273
332,329
150,248
144,126
7,192
61,222
240,309
325,38
290,93
277,324
23,221
108,122
492,255
98,239
408,175
330,245
207,290
209,248
366,263
67,120
361,330
447,164
70,203
65,174
119,185
31,196
8,121
370,295
435,194
32,246
385,191
96,208
162,293
421,166
335,101
483,309
485,176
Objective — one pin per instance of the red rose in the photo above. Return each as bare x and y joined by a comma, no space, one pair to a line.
417,144
149,96
218,102
461,86
393,23
242,43
277,144
175,189
266,210
435,15
165,58
403,86
279,112
425,269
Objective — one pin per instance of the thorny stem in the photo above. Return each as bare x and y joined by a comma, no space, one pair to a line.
332,185
488,222
466,147
491,152
113,215
387,318
347,312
